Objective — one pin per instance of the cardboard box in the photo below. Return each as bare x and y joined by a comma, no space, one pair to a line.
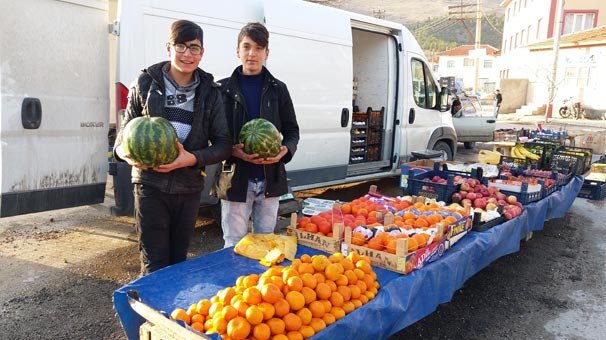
404,262
326,244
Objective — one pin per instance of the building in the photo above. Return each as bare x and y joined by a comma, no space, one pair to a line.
459,63
527,56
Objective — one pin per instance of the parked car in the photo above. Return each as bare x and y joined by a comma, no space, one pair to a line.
473,124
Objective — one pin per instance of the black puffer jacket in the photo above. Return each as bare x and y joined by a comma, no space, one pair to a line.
277,107
146,98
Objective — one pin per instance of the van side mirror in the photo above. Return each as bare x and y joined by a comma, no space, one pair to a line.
444,99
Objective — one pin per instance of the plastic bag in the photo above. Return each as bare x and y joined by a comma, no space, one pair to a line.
489,157
270,249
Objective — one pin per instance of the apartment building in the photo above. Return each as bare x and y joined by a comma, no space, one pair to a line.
527,56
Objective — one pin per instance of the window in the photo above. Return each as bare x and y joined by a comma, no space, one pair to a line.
580,77
424,89
528,34
504,45
516,41
488,63
574,22
522,37
450,64
538,27
508,14
468,62
510,42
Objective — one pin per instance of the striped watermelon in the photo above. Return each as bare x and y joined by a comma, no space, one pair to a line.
260,136
150,141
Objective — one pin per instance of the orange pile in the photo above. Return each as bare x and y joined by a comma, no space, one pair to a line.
293,302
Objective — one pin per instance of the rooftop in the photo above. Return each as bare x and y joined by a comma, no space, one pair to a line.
463,50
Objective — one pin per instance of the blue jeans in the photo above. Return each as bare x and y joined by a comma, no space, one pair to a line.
235,216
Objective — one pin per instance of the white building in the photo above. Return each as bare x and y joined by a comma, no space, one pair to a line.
527,56
459,62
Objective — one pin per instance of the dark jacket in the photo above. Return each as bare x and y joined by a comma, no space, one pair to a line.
146,98
277,107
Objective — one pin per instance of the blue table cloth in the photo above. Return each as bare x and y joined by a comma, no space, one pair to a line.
402,299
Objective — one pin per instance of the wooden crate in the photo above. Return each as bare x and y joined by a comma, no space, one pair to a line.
157,326
326,244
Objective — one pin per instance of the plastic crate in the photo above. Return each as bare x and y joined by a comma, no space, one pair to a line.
523,196
546,191
586,153
374,153
560,178
514,162
567,163
545,150
593,190
480,227
419,186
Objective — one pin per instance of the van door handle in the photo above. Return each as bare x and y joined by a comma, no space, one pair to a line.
491,121
31,113
411,116
344,117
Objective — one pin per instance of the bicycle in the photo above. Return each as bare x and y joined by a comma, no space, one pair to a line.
572,109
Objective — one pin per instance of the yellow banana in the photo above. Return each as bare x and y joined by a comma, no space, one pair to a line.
529,154
515,152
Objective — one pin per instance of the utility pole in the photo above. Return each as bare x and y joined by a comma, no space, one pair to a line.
556,49
478,39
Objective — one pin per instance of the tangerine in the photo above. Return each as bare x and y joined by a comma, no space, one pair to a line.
292,322
261,331
296,300
276,326
238,328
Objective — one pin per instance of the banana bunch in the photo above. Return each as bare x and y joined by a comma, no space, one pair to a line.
519,151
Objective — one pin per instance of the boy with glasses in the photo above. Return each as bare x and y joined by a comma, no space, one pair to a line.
257,183
167,197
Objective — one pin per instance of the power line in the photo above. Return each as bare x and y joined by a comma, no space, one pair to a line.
490,23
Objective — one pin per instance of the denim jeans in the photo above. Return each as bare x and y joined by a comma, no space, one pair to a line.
165,223
235,216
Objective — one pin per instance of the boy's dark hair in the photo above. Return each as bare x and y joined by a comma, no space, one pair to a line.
256,31
185,30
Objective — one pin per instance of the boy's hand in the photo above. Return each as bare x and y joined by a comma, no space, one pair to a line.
184,159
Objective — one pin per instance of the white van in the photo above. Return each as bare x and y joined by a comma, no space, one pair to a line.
333,61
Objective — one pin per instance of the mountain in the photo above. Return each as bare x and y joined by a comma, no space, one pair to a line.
430,22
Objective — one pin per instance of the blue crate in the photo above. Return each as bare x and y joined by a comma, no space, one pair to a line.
594,190
524,196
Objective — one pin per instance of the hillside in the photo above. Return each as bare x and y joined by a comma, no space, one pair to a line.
429,20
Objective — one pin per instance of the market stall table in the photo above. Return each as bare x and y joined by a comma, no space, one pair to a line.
402,299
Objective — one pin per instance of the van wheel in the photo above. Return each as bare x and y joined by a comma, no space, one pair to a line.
469,145
445,148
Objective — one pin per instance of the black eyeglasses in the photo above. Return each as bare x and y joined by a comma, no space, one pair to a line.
193,49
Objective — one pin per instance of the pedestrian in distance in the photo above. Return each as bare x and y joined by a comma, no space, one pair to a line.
498,99
167,197
257,183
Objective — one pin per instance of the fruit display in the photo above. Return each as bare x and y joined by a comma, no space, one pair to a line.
487,199
290,302
261,137
150,141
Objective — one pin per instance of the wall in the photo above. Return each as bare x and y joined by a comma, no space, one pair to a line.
514,94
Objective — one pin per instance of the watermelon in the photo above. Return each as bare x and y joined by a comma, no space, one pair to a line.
260,136
150,141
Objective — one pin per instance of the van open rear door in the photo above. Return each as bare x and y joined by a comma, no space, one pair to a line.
54,104
310,49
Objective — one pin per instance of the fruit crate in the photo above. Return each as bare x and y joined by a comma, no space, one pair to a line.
594,190
374,153
545,150
567,163
480,227
375,136
375,118
560,178
327,244
585,153
546,191
524,193
514,162
404,262
422,185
